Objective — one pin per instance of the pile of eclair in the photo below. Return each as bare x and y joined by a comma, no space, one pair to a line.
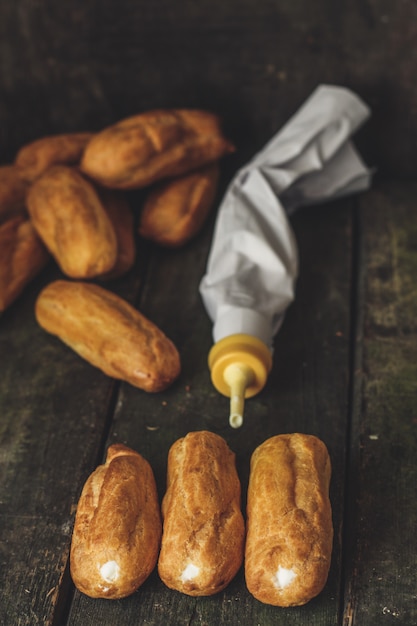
65,197
198,538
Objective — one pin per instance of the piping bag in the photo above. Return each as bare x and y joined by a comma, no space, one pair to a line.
252,265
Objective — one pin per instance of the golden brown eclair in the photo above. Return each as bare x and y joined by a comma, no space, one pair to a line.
289,520
69,217
176,209
109,333
144,148
117,527
34,158
203,528
22,257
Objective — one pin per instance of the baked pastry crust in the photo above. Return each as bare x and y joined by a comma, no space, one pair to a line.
22,257
289,520
109,333
117,527
144,148
176,209
203,527
34,158
69,217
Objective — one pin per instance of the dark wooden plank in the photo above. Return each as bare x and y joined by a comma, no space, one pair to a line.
307,392
380,580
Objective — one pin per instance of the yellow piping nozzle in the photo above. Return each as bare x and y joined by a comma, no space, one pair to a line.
239,366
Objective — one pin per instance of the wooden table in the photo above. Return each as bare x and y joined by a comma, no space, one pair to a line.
345,366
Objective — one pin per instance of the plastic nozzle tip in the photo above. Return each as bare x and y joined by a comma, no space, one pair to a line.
238,376
236,419
237,403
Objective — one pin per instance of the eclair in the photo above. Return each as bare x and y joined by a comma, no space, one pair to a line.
289,520
117,527
203,528
109,333
142,149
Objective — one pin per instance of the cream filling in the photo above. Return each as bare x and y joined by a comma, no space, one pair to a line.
190,572
283,577
110,571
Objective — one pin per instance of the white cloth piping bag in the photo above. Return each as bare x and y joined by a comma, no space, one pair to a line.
252,266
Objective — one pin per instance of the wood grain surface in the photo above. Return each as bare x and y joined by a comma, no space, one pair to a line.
344,360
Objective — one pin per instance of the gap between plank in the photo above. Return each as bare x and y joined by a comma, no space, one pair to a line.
346,606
